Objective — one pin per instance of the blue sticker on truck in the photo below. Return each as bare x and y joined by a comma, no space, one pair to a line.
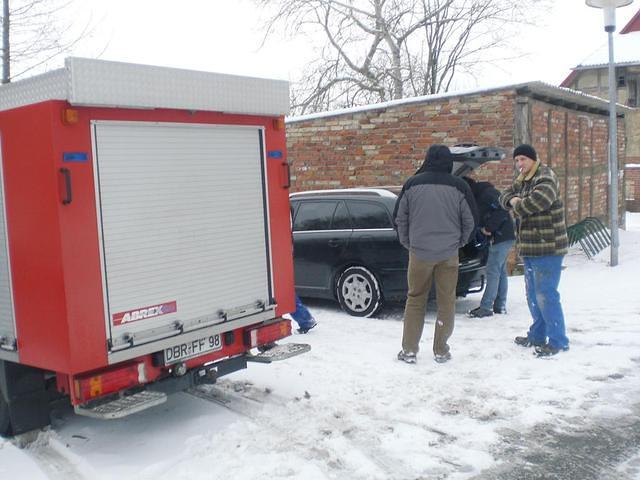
74,157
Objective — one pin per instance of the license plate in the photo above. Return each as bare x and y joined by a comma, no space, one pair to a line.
183,351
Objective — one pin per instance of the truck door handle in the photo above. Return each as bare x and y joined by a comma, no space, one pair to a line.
286,180
66,173
334,242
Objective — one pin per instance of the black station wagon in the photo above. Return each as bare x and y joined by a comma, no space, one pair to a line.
346,247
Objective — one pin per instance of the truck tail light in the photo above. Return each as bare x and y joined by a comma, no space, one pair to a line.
96,385
269,333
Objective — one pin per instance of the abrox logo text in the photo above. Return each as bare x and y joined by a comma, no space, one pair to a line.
146,312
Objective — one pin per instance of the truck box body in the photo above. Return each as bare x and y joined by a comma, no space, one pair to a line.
142,210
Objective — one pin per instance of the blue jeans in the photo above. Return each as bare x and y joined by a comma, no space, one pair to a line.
495,292
542,276
302,315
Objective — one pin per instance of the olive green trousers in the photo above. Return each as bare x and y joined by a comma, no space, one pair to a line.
420,276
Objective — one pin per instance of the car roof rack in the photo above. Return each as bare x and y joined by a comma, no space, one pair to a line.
378,192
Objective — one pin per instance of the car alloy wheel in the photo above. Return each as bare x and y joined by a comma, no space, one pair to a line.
358,292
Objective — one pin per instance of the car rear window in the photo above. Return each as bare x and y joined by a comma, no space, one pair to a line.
314,216
341,218
369,215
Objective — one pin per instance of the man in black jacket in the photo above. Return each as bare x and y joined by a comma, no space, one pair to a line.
496,224
435,215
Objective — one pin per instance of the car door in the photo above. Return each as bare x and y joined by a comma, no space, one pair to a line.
375,244
321,233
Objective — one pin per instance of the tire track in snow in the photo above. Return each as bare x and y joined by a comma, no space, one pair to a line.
346,436
53,457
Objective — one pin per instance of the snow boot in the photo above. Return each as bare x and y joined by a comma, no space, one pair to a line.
525,342
407,357
480,312
306,328
548,350
442,358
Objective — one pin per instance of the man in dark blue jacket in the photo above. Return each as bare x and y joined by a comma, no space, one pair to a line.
496,224
435,215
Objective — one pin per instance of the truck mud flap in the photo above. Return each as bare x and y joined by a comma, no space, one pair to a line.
280,352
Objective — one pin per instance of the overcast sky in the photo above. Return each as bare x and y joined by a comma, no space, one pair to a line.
224,36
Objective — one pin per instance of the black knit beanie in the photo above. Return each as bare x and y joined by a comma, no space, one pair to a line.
526,150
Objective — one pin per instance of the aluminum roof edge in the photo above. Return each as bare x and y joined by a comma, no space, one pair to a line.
40,88
90,82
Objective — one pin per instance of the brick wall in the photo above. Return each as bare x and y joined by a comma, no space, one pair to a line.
632,172
384,146
595,82
632,184
574,144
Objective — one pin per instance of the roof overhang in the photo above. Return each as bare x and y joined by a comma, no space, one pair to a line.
606,65
561,96
568,98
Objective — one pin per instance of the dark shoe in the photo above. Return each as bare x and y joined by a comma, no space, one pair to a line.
306,328
266,347
442,358
548,350
500,310
480,312
525,342
407,357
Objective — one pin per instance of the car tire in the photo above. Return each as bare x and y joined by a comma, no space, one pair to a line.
358,292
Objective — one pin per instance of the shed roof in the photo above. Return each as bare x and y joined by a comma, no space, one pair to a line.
633,25
539,90
626,52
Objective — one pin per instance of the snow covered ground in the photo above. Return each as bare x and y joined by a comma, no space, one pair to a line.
349,410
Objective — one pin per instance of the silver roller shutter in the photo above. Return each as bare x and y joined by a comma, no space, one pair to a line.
182,218
7,318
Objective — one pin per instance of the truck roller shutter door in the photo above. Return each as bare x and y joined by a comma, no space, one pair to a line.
182,216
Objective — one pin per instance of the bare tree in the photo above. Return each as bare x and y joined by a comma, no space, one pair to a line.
378,50
33,34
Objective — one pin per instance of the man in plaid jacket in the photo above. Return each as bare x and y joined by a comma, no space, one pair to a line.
541,238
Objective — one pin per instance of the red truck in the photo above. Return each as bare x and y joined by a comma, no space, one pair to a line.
145,242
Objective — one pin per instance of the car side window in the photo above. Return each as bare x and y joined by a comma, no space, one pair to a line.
341,218
369,215
314,216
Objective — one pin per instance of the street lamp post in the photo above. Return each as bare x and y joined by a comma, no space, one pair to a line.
609,7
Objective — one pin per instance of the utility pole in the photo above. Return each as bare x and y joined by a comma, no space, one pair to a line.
609,9
6,51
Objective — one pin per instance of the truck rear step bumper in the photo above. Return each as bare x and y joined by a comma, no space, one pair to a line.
122,406
156,393
280,352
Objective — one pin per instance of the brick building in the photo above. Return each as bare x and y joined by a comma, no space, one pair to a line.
383,144
591,76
